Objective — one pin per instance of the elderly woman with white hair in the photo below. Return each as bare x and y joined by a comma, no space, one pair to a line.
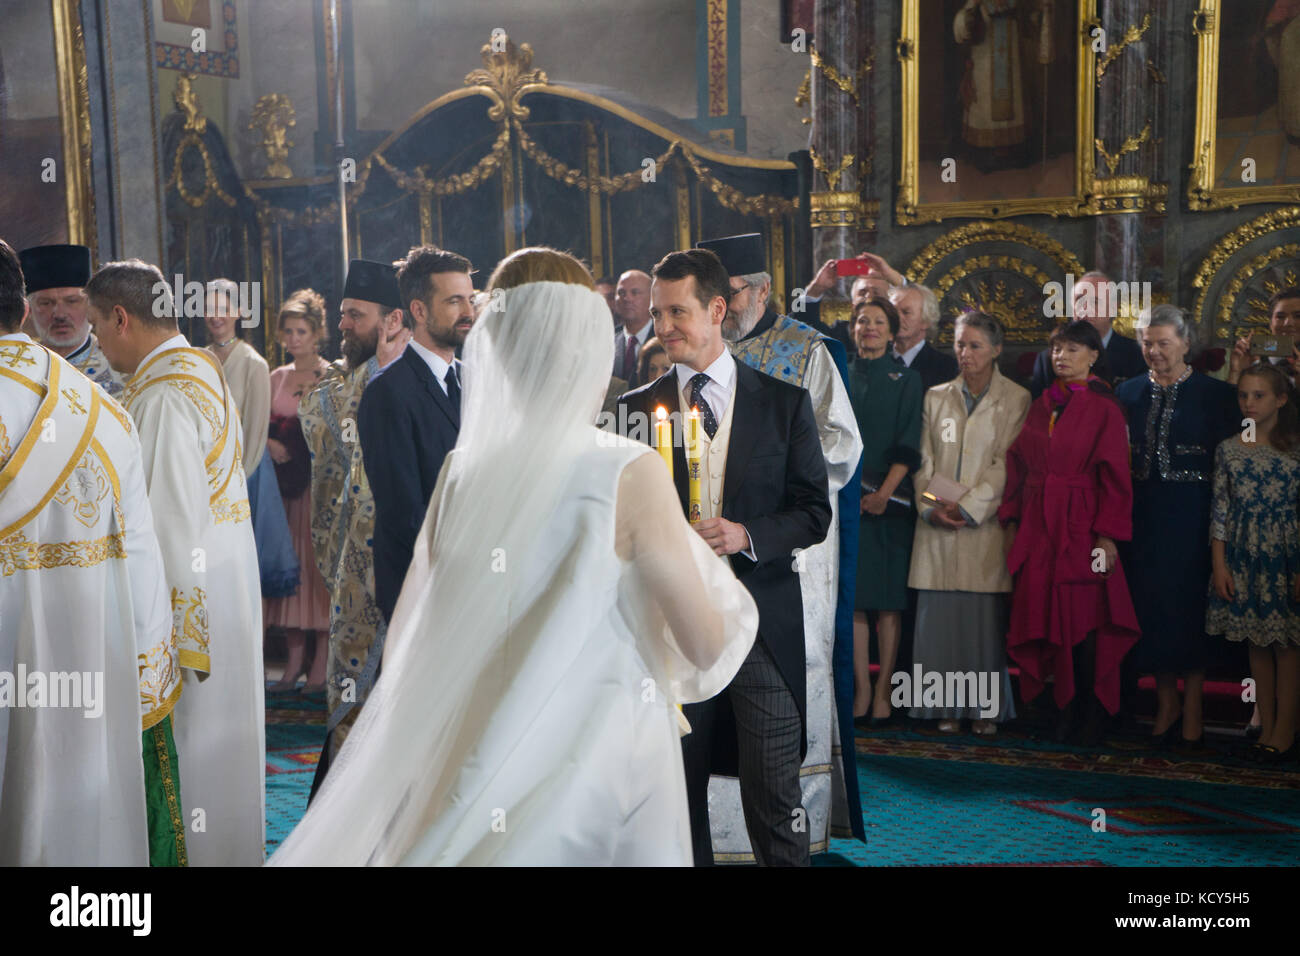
1176,418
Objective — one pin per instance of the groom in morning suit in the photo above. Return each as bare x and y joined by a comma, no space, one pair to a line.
409,415
764,496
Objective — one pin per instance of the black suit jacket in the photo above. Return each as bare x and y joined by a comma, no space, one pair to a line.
1123,360
775,486
934,367
407,425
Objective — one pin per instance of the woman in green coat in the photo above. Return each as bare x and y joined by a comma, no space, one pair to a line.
887,398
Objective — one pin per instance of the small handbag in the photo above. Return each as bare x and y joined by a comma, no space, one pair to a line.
900,502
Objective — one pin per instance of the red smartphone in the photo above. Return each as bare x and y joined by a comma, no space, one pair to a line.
852,267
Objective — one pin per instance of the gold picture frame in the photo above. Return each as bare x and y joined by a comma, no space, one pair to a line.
910,210
74,121
1202,193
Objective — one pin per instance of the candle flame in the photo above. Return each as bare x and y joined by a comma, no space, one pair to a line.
661,413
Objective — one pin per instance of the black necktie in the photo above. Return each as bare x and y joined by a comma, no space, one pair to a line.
453,387
698,381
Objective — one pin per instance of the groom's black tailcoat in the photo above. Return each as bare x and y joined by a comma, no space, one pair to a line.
775,485
407,424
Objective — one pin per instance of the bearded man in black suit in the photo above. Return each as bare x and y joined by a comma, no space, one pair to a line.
763,497
409,415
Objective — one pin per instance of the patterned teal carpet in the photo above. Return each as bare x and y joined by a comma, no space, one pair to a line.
937,800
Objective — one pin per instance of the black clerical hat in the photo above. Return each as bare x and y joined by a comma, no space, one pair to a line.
373,282
55,267
740,255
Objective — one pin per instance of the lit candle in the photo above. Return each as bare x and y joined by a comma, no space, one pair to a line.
693,463
664,437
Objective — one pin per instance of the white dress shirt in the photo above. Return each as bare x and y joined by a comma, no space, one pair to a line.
437,364
719,388
718,391
908,356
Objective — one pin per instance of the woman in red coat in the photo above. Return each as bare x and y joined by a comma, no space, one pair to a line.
1069,489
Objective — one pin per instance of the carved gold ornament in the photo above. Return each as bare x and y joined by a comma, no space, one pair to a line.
1285,221
187,101
273,115
1003,284
1130,145
846,209
832,175
845,84
1131,35
803,95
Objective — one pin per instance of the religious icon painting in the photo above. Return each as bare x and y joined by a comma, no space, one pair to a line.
1247,143
997,108
44,119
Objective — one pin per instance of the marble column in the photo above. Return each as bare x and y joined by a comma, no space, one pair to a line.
124,123
1128,124
839,144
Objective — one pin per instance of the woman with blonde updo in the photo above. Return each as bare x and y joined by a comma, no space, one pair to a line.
301,327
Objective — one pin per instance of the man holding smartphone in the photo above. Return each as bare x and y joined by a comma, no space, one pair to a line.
1284,324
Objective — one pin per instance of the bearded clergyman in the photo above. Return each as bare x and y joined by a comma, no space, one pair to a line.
374,328
56,276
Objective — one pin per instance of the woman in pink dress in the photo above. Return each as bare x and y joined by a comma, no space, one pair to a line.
301,330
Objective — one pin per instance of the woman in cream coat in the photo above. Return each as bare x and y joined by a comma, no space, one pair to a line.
959,563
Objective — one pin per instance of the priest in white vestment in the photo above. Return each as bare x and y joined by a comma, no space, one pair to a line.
190,436
87,659
557,609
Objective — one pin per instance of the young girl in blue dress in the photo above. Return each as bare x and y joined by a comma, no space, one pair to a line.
1255,548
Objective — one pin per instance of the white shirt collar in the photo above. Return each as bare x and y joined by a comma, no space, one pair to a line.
1105,339
177,341
437,364
643,336
722,371
911,353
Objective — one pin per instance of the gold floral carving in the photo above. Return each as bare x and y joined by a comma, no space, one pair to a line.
505,76
273,114
1232,244
803,95
1010,306
1130,145
187,101
845,84
17,553
1131,35
832,175
978,232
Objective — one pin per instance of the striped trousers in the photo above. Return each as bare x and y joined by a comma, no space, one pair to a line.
768,735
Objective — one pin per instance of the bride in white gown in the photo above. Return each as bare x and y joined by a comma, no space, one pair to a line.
557,609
